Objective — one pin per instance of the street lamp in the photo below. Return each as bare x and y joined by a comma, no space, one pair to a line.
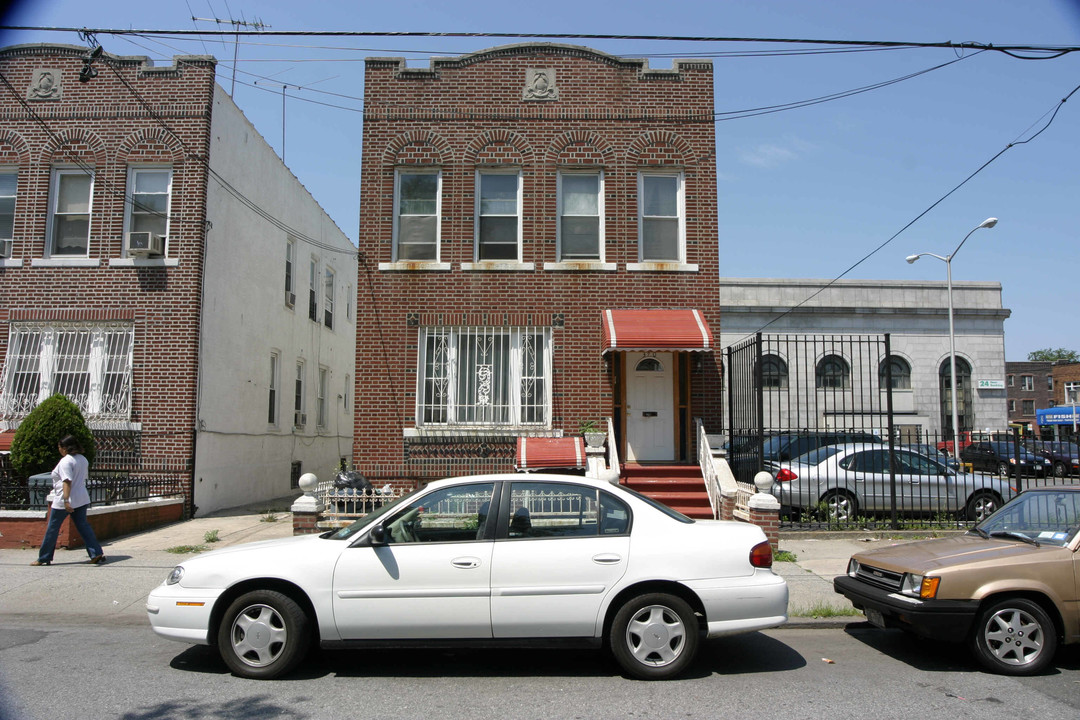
987,223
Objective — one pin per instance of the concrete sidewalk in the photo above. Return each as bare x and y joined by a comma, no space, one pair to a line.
116,592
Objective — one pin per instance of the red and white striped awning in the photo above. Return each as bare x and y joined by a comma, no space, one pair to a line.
535,453
656,330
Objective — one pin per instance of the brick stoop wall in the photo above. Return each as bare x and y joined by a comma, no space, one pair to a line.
26,528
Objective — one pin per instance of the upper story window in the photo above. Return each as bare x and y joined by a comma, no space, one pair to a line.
498,216
299,416
1050,383
486,377
90,364
313,289
1010,380
328,298
416,222
1027,382
69,212
660,217
1029,407
290,269
774,372
275,371
149,196
580,208
833,373
8,186
322,412
900,371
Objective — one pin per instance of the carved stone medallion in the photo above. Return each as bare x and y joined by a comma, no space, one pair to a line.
45,85
540,84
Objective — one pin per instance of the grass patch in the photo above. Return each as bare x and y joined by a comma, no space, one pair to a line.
186,549
785,556
822,610
211,536
269,516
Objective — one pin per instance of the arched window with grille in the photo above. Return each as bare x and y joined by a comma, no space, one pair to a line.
964,409
901,373
833,373
774,372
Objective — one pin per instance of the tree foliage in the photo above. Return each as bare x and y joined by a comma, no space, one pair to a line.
1053,354
34,447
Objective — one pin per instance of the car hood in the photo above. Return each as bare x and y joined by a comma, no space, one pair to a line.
259,546
927,555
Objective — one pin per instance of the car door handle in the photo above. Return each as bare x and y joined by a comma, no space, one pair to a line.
607,559
466,563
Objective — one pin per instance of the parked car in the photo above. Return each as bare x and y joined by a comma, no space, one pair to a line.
1006,588
934,454
783,446
840,481
1004,458
1064,456
495,559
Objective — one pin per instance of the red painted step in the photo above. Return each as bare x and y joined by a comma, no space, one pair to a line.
680,487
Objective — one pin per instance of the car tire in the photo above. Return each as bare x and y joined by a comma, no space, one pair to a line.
1015,636
263,634
1003,469
981,505
1059,470
654,636
840,506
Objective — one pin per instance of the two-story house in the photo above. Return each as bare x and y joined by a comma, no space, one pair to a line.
538,248
161,266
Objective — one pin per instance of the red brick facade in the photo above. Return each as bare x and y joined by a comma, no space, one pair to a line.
130,112
470,113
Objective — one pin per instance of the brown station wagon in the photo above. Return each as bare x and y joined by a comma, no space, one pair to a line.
1008,587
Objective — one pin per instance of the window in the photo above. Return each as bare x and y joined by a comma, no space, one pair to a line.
455,514
580,201
1012,406
90,364
1050,383
900,371
964,406
833,373
149,190
321,411
1072,392
490,377
272,414
660,204
328,298
313,290
498,234
1010,380
1027,382
8,186
346,394
774,372
1029,408
416,222
299,416
555,510
69,213
290,262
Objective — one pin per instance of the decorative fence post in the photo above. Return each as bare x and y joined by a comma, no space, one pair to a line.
307,508
765,509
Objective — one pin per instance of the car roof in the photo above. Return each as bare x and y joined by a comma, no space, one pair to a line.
522,477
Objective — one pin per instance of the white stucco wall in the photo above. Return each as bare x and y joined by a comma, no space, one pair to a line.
915,313
240,457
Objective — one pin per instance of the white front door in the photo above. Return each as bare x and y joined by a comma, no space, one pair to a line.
650,407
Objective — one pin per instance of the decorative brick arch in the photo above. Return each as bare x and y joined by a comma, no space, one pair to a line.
150,145
498,147
14,150
417,147
661,148
75,143
580,147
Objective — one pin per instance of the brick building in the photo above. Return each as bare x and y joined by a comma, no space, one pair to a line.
153,249
538,248
1030,387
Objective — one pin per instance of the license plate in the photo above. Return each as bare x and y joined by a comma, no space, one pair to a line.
874,617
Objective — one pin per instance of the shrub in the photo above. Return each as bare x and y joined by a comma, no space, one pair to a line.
34,447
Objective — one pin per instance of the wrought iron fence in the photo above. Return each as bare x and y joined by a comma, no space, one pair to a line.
18,493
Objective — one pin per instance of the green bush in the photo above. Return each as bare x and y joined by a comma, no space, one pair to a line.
34,447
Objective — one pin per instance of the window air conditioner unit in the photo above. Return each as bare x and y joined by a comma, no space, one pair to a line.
299,419
5,248
290,298
145,244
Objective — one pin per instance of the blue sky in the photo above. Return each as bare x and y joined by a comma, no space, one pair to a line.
804,193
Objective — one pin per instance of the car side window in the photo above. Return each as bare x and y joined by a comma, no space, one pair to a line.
454,514
551,510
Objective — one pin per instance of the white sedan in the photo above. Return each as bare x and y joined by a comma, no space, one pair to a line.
487,560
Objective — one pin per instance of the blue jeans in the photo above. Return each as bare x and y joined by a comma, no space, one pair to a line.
52,532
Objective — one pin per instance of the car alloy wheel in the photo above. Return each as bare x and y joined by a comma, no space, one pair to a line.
654,636
981,506
1015,636
839,506
1059,470
1003,469
263,634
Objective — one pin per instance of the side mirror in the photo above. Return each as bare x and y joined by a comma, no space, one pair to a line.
377,534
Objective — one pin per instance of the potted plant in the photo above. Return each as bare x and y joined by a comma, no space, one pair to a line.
594,436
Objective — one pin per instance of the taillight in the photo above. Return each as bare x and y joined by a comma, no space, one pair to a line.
761,555
786,475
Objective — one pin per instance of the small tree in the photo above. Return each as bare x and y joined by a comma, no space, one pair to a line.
34,447
1054,354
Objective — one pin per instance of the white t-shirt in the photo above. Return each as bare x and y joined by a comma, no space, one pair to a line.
74,468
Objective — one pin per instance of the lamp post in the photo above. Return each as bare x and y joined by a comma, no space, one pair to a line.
987,223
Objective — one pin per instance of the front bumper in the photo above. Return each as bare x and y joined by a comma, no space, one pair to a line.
180,614
948,620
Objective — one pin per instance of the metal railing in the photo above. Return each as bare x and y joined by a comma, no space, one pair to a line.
17,493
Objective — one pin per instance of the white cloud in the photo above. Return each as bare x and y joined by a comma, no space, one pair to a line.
770,155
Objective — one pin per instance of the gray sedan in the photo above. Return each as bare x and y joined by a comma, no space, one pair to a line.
840,481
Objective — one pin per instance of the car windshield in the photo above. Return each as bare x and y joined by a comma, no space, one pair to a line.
1051,517
348,531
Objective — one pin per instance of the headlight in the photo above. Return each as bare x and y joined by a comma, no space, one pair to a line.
175,575
920,586
853,567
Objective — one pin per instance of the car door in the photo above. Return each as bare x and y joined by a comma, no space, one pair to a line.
559,550
431,577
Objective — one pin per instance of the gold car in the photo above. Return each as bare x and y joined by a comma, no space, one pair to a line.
1008,587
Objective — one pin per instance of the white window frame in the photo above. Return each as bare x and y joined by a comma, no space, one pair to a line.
299,400
273,392
1027,383
58,173
314,278
480,175
322,414
438,404
129,200
680,217
1072,392
7,239
561,213
101,353
437,172
328,297
290,273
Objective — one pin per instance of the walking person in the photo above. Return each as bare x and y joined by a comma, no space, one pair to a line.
70,497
